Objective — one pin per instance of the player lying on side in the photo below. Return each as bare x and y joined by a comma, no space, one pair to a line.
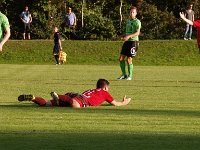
196,24
94,97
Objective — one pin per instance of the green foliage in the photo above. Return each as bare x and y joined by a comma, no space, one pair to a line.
160,19
96,26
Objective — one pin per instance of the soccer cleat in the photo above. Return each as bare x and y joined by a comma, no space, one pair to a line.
25,97
129,78
185,39
55,97
123,77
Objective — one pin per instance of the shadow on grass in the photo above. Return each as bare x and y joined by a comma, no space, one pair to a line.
108,110
101,141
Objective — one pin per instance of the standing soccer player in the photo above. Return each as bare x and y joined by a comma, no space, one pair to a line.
57,45
4,27
196,24
130,46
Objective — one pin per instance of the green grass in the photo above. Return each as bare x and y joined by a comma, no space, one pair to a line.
151,52
164,113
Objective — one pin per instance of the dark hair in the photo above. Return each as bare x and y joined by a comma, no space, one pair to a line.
133,7
101,83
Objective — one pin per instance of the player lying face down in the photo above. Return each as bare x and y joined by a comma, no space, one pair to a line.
92,97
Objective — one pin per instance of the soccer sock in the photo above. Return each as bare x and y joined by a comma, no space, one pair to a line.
40,101
123,67
130,70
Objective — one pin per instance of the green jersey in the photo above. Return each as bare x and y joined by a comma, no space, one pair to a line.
131,27
3,24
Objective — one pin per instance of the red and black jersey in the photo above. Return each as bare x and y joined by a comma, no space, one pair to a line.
96,97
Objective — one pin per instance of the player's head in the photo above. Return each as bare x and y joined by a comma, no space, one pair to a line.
102,84
133,12
55,29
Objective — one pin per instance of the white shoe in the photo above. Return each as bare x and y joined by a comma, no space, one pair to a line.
185,39
129,78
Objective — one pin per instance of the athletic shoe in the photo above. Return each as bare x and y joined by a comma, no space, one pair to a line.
123,77
185,39
25,97
129,78
189,39
54,95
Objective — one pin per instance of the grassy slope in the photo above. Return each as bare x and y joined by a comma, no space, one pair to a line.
155,52
164,113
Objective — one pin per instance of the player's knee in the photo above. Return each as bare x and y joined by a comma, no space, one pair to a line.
129,60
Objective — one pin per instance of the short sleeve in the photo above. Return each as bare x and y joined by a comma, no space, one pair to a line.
5,22
138,25
108,97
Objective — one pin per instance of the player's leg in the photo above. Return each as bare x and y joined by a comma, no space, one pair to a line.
24,32
56,50
190,32
28,31
122,61
37,100
130,68
132,51
186,32
199,48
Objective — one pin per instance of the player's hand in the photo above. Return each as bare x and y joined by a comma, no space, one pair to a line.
182,15
126,100
125,38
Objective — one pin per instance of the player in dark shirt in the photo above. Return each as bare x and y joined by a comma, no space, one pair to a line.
57,45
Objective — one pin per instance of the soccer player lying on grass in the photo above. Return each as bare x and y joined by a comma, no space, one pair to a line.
94,97
196,24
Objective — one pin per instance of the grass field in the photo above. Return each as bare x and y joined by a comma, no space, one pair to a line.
164,113
151,52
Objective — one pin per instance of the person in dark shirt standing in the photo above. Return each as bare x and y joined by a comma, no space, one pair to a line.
57,45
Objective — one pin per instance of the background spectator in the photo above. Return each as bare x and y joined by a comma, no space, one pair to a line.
189,14
26,19
70,20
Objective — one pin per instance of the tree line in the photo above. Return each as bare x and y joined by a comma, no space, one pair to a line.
99,19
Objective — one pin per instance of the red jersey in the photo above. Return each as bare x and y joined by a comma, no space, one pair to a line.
197,25
96,97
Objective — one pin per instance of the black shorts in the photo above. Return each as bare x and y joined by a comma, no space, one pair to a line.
130,48
56,49
27,27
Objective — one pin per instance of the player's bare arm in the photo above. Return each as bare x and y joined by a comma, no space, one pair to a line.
125,101
6,37
30,20
185,19
137,33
